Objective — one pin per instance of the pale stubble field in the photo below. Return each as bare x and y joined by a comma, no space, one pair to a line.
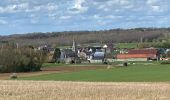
55,90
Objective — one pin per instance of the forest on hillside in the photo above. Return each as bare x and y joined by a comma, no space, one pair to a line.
103,36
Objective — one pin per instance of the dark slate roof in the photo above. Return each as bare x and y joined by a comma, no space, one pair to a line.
98,55
69,53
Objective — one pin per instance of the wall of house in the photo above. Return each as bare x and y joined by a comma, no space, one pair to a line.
96,61
111,60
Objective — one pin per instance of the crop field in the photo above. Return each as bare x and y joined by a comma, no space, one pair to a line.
138,81
140,72
55,90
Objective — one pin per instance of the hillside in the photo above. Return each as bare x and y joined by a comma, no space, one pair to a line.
65,38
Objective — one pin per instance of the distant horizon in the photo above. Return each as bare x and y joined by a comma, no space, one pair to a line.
87,30
28,16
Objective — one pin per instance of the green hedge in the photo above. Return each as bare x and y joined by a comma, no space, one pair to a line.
165,62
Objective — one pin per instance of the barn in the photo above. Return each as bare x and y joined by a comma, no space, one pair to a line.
139,55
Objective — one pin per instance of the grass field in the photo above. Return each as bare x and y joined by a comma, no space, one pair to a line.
45,65
54,90
138,81
132,45
139,72
127,45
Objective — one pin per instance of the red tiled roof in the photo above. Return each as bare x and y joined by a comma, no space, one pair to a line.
127,56
143,51
139,53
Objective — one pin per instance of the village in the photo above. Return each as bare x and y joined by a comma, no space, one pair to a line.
105,53
85,50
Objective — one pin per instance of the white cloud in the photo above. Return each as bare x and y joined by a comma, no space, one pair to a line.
52,15
64,17
10,8
45,7
107,17
83,12
112,17
124,2
163,20
114,5
14,8
52,6
78,4
96,17
158,5
103,22
104,7
107,5
112,2
26,7
118,2
156,8
3,22
34,19
33,9
78,7
151,2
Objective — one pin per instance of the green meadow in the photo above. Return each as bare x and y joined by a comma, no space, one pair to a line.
135,72
127,45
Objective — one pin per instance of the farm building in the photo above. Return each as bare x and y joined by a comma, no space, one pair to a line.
139,55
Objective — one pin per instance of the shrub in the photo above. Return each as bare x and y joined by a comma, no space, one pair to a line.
20,59
165,62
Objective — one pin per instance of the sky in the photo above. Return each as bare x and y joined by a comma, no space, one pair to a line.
26,16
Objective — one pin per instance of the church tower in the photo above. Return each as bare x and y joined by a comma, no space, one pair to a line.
74,47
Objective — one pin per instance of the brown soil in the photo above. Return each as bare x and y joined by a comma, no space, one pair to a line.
6,76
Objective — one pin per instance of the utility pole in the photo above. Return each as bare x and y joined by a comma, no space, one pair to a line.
2,46
141,39
17,45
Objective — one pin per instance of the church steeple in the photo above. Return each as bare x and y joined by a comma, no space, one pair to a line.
74,48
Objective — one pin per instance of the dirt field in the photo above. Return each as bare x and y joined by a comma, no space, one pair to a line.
49,70
53,90
6,76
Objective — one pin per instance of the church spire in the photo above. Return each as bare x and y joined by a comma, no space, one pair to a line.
74,46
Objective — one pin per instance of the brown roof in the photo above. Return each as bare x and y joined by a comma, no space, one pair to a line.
139,53
143,51
127,56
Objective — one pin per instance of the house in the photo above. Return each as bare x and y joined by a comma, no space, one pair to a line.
68,56
139,55
97,57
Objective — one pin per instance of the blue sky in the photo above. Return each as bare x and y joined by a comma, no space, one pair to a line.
24,16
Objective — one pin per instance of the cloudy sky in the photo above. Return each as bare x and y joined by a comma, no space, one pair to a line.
23,16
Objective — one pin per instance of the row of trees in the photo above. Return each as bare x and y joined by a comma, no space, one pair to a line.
106,36
13,59
165,44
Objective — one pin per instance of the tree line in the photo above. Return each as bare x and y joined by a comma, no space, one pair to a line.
104,36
